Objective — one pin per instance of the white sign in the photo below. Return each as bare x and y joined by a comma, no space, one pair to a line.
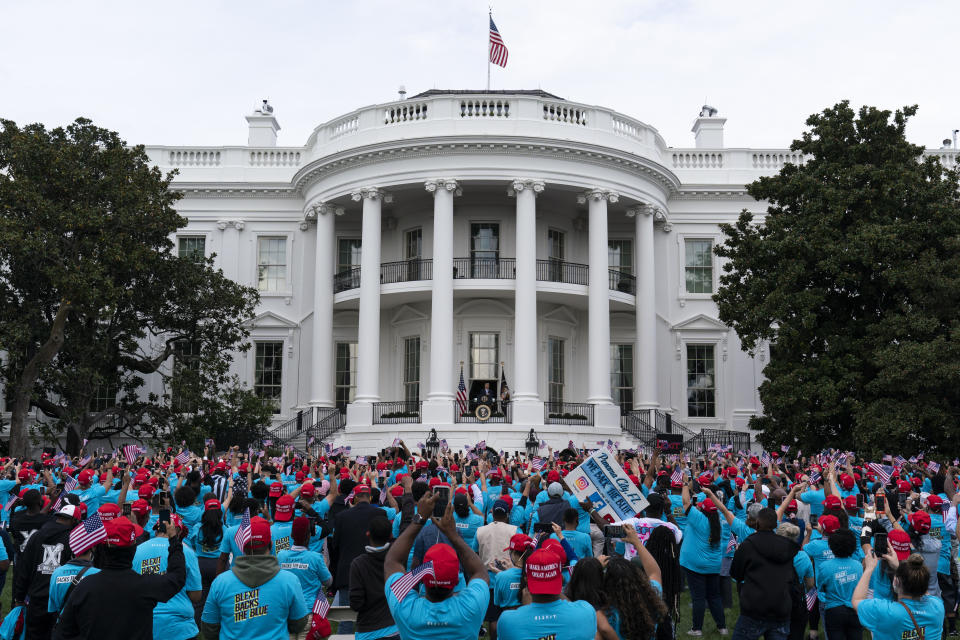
601,480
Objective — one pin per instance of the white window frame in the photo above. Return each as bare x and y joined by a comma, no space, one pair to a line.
682,266
286,369
719,339
287,290
188,234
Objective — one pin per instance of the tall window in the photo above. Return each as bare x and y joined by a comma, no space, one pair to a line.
186,358
555,254
192,247
556,369
104,397
411,369
272,263
268,373
698,266
701,381
348,253
346,373
484,356
620,255
413,241
484,249
621,376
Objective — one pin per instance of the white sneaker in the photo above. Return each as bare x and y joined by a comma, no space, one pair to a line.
694,632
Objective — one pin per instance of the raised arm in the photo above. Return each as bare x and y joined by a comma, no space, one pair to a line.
722,507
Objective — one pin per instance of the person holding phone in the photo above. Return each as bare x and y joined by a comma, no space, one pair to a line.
701,556
914,614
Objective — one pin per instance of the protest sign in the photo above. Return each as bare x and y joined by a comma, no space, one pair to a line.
670,442
601,480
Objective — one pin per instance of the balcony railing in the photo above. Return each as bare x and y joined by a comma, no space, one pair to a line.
329,421
637,424
623,282
714,439
406,271
567,413
559,271
402,412
346,280
484,268
502,414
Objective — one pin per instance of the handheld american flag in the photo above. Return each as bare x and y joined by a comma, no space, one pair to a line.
244,532
815,477
883,471
130,452
811,599
87,534
461,395
321,607
934,467
498,50
537,464
677,475
68,486
732,544
405,584
182,457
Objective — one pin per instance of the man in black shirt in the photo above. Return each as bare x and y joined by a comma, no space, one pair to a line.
349,535
26,522
367,596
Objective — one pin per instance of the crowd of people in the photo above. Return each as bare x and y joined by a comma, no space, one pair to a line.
268,544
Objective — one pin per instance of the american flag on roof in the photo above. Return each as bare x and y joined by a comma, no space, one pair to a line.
244,532
498,50
405,584
461,394
87,534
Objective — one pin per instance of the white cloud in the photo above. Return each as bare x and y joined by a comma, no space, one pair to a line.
187,72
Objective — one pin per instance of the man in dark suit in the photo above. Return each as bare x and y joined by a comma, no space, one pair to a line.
349,541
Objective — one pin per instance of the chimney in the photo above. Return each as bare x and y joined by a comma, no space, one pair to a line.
708,129
263,127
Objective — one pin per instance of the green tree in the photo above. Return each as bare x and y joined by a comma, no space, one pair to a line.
92,295
853,277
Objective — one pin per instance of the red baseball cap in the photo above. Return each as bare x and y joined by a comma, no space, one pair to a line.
934,501
846,481
140,507
520,542
284,510
920,521
120,532
708,506
446,566
422,464
86,476
145,491
792,506
553,476
276,490
361,488
434,482
211,504
553,546
396,491
705,479
904,487
832,502
828,524
900,542
259,534
108,511
71,511
308,490
850,502
543,571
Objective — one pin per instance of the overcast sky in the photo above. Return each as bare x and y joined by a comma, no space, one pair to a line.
187,72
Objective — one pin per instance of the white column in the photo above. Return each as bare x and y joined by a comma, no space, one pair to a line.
645,395
527,408
368,330
438,407
321,353
598,310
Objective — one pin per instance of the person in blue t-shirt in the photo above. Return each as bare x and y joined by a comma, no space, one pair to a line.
466,519
579,541
255,598
506,583
548,615
914,615
307,565
63,577
439,613
173,619
701,556
836,579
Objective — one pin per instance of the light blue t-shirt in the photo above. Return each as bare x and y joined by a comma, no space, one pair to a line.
309,568
281,536
814,498
939,532
836,580
229,545
254,612
506,588
208,548
91,496
803,566
676,510
888,620
581,543
191,517
696,553
558,620
60,581
173,618
467,528
457,618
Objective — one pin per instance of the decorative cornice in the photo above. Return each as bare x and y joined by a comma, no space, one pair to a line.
315,209
450,184
597,194
371,193
643,209
231,190
530,184
237,224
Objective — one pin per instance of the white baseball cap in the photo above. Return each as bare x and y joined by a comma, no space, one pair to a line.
71,511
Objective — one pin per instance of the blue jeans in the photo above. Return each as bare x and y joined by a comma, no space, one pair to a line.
342,599
748,628
705,592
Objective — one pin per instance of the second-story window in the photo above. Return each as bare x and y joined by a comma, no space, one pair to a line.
192,247
348,253
484,249
413,249
698,266
555,242
555,371
272,263
411,370
620,255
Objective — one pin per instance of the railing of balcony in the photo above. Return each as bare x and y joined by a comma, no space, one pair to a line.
396,412
406,271
567,413
718,440
623,282
502,414
484,268
292,427
637,424
559,271
329,421
346,280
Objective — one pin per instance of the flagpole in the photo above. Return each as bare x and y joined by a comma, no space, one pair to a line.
490,16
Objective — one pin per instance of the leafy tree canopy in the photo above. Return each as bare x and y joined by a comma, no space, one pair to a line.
853,277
